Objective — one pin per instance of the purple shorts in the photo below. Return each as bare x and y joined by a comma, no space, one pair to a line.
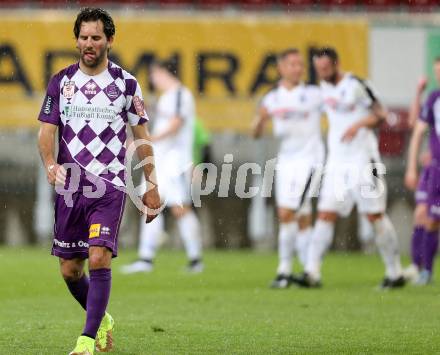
421,194
88,222
433,191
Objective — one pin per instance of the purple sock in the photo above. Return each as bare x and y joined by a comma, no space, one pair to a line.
417,245
79,289
97,300
430,245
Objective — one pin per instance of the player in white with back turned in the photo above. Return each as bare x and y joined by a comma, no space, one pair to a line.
172,137
295,109
352,174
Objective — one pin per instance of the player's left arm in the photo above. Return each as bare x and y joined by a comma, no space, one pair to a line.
137,118
151,198
377,111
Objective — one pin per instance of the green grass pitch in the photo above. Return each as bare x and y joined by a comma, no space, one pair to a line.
226,310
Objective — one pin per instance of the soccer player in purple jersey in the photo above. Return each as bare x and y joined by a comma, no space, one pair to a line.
413,272
427,213
89,103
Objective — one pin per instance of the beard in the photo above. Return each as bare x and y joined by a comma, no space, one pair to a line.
332,78
95,61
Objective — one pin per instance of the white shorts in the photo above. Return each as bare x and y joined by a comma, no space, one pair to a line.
346,184
293,185
175,190
174,186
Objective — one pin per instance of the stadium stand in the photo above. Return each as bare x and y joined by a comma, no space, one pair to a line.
277,5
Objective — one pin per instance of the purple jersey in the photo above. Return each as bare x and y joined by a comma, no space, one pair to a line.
91,113
431,115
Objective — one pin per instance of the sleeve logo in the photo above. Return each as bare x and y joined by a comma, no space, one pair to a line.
139,106
94,230
48,105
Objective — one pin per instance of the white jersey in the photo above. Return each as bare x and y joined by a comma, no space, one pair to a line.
346,103
176,149
296,116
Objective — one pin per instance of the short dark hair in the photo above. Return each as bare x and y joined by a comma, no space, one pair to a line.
282,55
169,65
327,52
88,14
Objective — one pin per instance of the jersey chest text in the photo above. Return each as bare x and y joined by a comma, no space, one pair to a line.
340,101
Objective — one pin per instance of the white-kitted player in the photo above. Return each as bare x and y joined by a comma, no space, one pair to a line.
352,174
295,110
172,137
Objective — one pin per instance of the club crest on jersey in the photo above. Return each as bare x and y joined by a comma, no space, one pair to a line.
69,89
112,91
139,106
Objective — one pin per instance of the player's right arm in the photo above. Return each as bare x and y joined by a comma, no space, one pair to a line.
260,122
411,176
414,111
49,120
46,145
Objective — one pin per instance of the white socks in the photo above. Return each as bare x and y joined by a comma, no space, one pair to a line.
388,245
320,241
189,228
322,236
286,245
302,244
149,237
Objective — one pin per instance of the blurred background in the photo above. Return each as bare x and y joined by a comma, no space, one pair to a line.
225,53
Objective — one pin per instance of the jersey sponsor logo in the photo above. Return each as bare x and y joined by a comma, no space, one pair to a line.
61,244
48,105
69,89
95,230
90,113
335,105
139,106
82,244
289,113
